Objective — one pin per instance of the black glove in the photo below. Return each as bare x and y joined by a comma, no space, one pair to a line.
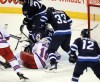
5,64
21,28
72,58
25,21
29,48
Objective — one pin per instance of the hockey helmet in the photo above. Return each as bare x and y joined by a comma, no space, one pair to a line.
85,33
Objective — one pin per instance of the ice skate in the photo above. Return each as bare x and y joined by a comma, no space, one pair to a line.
22,77
52,68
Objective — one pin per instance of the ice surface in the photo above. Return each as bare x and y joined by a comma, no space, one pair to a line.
65,69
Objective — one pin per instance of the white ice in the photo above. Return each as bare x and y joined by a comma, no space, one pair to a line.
65,69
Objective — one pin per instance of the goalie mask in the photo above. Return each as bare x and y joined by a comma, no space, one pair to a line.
85,33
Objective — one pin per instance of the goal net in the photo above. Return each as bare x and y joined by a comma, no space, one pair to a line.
94,19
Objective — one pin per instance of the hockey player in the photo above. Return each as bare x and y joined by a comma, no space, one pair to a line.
34,13
88,55
47,33
37,59
61,23
7,53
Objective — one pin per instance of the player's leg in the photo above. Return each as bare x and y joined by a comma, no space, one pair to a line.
53,47
28,60
66,43
96,69
9,57
78,70
37,30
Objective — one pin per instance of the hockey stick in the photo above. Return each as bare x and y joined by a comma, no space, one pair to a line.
25,34
94,27
16,37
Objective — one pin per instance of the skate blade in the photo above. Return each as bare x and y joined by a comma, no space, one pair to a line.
51,71
24,80
2,67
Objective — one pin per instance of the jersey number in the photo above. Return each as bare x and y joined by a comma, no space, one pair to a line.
88,45
37,4
61,18
44,53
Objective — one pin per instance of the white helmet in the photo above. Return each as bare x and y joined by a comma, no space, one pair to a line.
46,40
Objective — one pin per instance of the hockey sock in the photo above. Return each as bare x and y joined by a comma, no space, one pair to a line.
15,65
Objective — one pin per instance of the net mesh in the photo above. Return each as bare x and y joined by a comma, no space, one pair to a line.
94,6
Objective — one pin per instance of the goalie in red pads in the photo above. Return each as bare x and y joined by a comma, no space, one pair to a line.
38,58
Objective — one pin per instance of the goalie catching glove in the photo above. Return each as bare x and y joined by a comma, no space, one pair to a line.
72,58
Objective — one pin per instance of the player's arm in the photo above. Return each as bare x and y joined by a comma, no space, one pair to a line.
74,48
69,20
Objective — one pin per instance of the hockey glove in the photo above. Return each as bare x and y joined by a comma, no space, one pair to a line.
72,58
28,48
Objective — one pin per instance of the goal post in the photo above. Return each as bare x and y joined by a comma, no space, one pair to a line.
93,13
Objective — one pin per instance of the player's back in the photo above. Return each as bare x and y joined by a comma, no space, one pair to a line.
32,8
87,47
59,20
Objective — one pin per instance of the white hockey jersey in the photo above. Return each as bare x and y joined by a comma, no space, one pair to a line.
40,54
3,36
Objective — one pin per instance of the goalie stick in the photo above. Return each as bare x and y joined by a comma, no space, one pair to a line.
15,37
25,34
